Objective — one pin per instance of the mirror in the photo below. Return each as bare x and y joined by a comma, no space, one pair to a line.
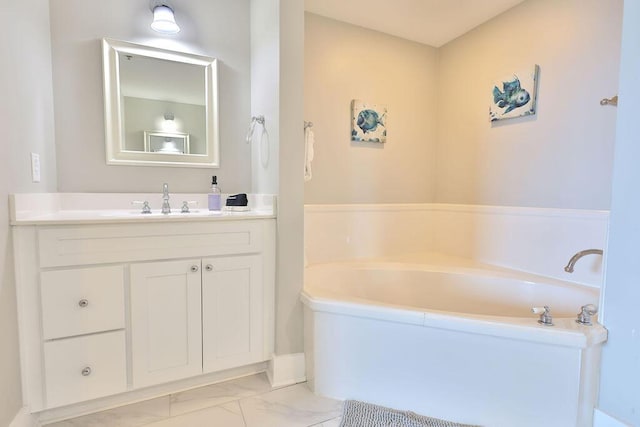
161,106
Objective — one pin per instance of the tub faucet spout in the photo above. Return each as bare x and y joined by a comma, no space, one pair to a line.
577,256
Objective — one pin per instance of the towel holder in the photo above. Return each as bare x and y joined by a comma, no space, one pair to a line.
252,126
308,124
263,144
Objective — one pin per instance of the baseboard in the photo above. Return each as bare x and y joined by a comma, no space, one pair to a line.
602,419
286,369
24,419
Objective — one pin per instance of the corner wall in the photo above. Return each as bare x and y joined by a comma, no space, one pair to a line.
442,147
559,158
25,79
344,62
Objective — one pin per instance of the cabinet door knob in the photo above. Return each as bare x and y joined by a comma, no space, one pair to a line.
209,267
86,372
194,268
83,303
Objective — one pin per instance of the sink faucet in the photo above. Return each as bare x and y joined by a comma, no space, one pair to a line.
166,209
576,257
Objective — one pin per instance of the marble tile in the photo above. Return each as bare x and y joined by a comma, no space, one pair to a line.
217,394
136,414
294,406
226,415
331,423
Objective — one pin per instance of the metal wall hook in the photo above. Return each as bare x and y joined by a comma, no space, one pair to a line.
610,101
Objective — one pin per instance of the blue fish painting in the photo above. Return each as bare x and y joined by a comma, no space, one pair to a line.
513,96
368,122
517,97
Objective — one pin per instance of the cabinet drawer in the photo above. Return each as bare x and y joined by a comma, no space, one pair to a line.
84,368
82,301
82,245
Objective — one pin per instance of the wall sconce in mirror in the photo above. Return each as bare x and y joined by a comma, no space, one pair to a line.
169,124
161,107
164,21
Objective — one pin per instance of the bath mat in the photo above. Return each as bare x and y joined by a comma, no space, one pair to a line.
361,414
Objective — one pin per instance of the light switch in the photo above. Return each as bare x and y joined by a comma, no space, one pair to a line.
35,167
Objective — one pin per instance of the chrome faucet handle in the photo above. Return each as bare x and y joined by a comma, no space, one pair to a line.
146,209
186,204
586,311
545,315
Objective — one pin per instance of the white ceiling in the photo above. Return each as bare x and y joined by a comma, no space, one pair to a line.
432,22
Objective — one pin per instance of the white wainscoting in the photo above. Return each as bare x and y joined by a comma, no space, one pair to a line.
536,240
345,232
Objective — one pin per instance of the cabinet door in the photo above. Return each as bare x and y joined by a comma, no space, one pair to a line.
232,304
166,338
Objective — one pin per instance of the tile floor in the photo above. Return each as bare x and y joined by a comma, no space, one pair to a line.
244,402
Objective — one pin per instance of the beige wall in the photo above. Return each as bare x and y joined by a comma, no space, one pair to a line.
562,157
218,28
27,123
442,146
344,62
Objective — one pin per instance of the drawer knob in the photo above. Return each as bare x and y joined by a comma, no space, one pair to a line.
209,267
86,372
195,268
83,303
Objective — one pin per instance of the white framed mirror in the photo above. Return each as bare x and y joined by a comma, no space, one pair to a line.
161,106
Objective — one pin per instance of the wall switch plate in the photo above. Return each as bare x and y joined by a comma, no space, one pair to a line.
35,167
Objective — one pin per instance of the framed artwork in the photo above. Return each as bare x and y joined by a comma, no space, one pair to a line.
515,95
166,142
368,122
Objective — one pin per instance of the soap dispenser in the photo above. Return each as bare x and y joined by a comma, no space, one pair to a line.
215,196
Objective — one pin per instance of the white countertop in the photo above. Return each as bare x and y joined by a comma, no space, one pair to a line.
113,208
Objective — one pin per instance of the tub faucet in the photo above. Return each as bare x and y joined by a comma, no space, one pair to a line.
577,256
545,315
166,208
586,311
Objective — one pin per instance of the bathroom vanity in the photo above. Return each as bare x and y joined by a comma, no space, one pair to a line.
118,305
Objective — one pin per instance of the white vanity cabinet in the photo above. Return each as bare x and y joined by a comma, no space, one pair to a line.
118,308
196,315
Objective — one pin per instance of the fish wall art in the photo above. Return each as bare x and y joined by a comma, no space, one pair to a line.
368,122
515,95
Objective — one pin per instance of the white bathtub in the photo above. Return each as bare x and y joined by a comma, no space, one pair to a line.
452,341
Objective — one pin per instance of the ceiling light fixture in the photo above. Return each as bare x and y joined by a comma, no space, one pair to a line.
163,20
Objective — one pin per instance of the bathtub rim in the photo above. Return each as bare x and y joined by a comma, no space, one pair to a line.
565,332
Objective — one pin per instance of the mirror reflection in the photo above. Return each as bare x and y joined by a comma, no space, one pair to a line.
160,106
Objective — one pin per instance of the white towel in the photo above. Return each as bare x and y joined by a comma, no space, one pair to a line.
308,152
